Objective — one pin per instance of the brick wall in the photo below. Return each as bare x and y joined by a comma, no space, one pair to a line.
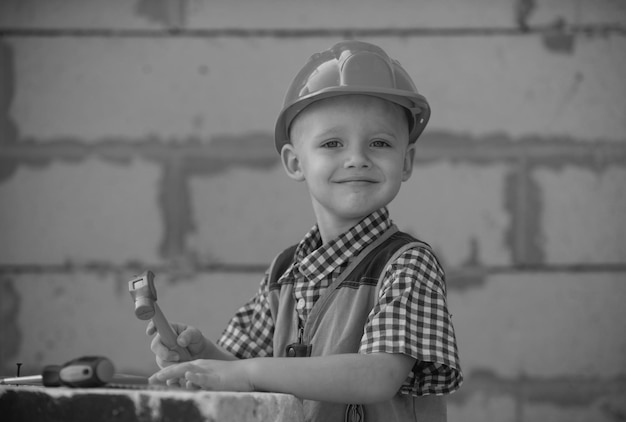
138,135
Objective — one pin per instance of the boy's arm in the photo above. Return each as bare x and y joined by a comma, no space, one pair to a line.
347,378
248,334
190,338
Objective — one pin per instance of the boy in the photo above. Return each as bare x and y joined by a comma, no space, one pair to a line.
353,319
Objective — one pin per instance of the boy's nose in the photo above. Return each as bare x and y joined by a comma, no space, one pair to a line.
357,158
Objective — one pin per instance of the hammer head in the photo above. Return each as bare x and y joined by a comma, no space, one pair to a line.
142,290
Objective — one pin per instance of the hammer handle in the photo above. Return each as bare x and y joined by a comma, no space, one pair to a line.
168,336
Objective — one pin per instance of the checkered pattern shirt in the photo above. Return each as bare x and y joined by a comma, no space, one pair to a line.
411,316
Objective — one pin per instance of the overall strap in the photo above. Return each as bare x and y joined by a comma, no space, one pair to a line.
396,255
281,262
321,304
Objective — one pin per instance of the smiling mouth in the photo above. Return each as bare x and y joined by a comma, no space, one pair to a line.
356,182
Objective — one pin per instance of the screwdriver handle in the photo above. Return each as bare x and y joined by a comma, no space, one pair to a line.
87,371
82,372
50,375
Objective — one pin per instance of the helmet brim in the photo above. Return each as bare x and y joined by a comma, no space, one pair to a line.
416,106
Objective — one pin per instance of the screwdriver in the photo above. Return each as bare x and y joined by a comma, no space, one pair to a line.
82,372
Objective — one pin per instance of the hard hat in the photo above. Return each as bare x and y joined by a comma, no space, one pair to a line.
352,67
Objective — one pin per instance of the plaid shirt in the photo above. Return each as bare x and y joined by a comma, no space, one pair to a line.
411,316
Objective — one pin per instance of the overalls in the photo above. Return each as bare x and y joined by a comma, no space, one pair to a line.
335,326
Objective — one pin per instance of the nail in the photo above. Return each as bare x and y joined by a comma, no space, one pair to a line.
18,368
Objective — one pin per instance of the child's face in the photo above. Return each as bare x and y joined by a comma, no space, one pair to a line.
353,153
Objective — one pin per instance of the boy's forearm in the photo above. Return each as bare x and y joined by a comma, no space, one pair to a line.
212,350
349,378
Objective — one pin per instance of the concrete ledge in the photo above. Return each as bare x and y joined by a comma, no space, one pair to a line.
33,404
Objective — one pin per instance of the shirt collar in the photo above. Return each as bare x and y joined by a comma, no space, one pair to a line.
316,261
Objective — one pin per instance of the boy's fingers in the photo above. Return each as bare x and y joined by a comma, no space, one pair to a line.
184,339
171,381
173,372
162,352
202,380
150,329
174,382
167,358
165,363
191,338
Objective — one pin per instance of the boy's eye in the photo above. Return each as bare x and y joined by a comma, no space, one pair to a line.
380,143
333,143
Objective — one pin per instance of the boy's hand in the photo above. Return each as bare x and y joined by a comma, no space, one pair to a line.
188,337
206,374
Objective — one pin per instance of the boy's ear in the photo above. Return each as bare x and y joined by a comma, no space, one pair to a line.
407,167
291,162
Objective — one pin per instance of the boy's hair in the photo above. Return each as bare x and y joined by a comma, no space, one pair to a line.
352,67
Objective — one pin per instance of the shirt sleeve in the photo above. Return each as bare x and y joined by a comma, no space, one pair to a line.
250,332
412,318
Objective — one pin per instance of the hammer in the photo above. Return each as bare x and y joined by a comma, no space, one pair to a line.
142,290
